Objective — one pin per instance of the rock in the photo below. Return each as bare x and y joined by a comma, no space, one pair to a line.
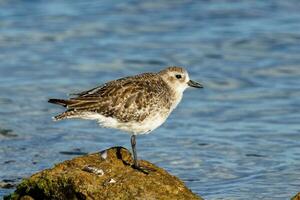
5,185
296,197
8,133
108,175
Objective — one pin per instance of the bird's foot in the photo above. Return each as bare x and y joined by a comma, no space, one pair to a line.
145,170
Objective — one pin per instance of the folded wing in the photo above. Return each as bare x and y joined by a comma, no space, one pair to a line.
127,99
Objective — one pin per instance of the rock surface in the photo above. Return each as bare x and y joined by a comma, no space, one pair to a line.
105,175
296,197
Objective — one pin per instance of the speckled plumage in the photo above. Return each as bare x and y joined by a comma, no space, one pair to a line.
127,99
136,104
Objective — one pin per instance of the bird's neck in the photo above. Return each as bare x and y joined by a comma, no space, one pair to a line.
176,98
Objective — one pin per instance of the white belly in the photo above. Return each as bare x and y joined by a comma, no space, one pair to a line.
136,128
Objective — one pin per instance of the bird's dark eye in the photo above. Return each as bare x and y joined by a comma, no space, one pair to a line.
178,76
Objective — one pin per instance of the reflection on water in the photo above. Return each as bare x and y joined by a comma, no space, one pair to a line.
236,139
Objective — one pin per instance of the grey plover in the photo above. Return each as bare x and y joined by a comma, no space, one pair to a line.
135,104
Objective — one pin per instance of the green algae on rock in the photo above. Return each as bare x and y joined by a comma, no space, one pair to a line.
105,175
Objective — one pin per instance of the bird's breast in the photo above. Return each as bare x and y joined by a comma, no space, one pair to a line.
175,100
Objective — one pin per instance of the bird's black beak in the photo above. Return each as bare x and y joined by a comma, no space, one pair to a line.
195,84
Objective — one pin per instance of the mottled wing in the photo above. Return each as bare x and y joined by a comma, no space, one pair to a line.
97,91
128,99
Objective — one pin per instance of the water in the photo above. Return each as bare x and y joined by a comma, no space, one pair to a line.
236,139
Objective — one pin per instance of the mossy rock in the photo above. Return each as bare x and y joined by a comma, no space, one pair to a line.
296,197
105,175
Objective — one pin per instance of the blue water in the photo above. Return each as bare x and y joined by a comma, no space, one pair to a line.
239,138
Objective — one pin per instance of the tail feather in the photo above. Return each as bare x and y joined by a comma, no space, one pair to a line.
65,115
74,107
64,103
61,102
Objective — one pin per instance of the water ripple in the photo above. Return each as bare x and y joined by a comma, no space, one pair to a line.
235,139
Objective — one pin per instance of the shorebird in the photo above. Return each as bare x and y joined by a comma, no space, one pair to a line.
135,104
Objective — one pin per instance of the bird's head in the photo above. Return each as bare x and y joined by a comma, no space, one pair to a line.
178,79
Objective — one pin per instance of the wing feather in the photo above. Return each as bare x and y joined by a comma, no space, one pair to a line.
127,99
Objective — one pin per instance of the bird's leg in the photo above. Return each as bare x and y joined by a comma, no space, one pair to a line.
133,146
135,160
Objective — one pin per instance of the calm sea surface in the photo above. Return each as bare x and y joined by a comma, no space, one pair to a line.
239,138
